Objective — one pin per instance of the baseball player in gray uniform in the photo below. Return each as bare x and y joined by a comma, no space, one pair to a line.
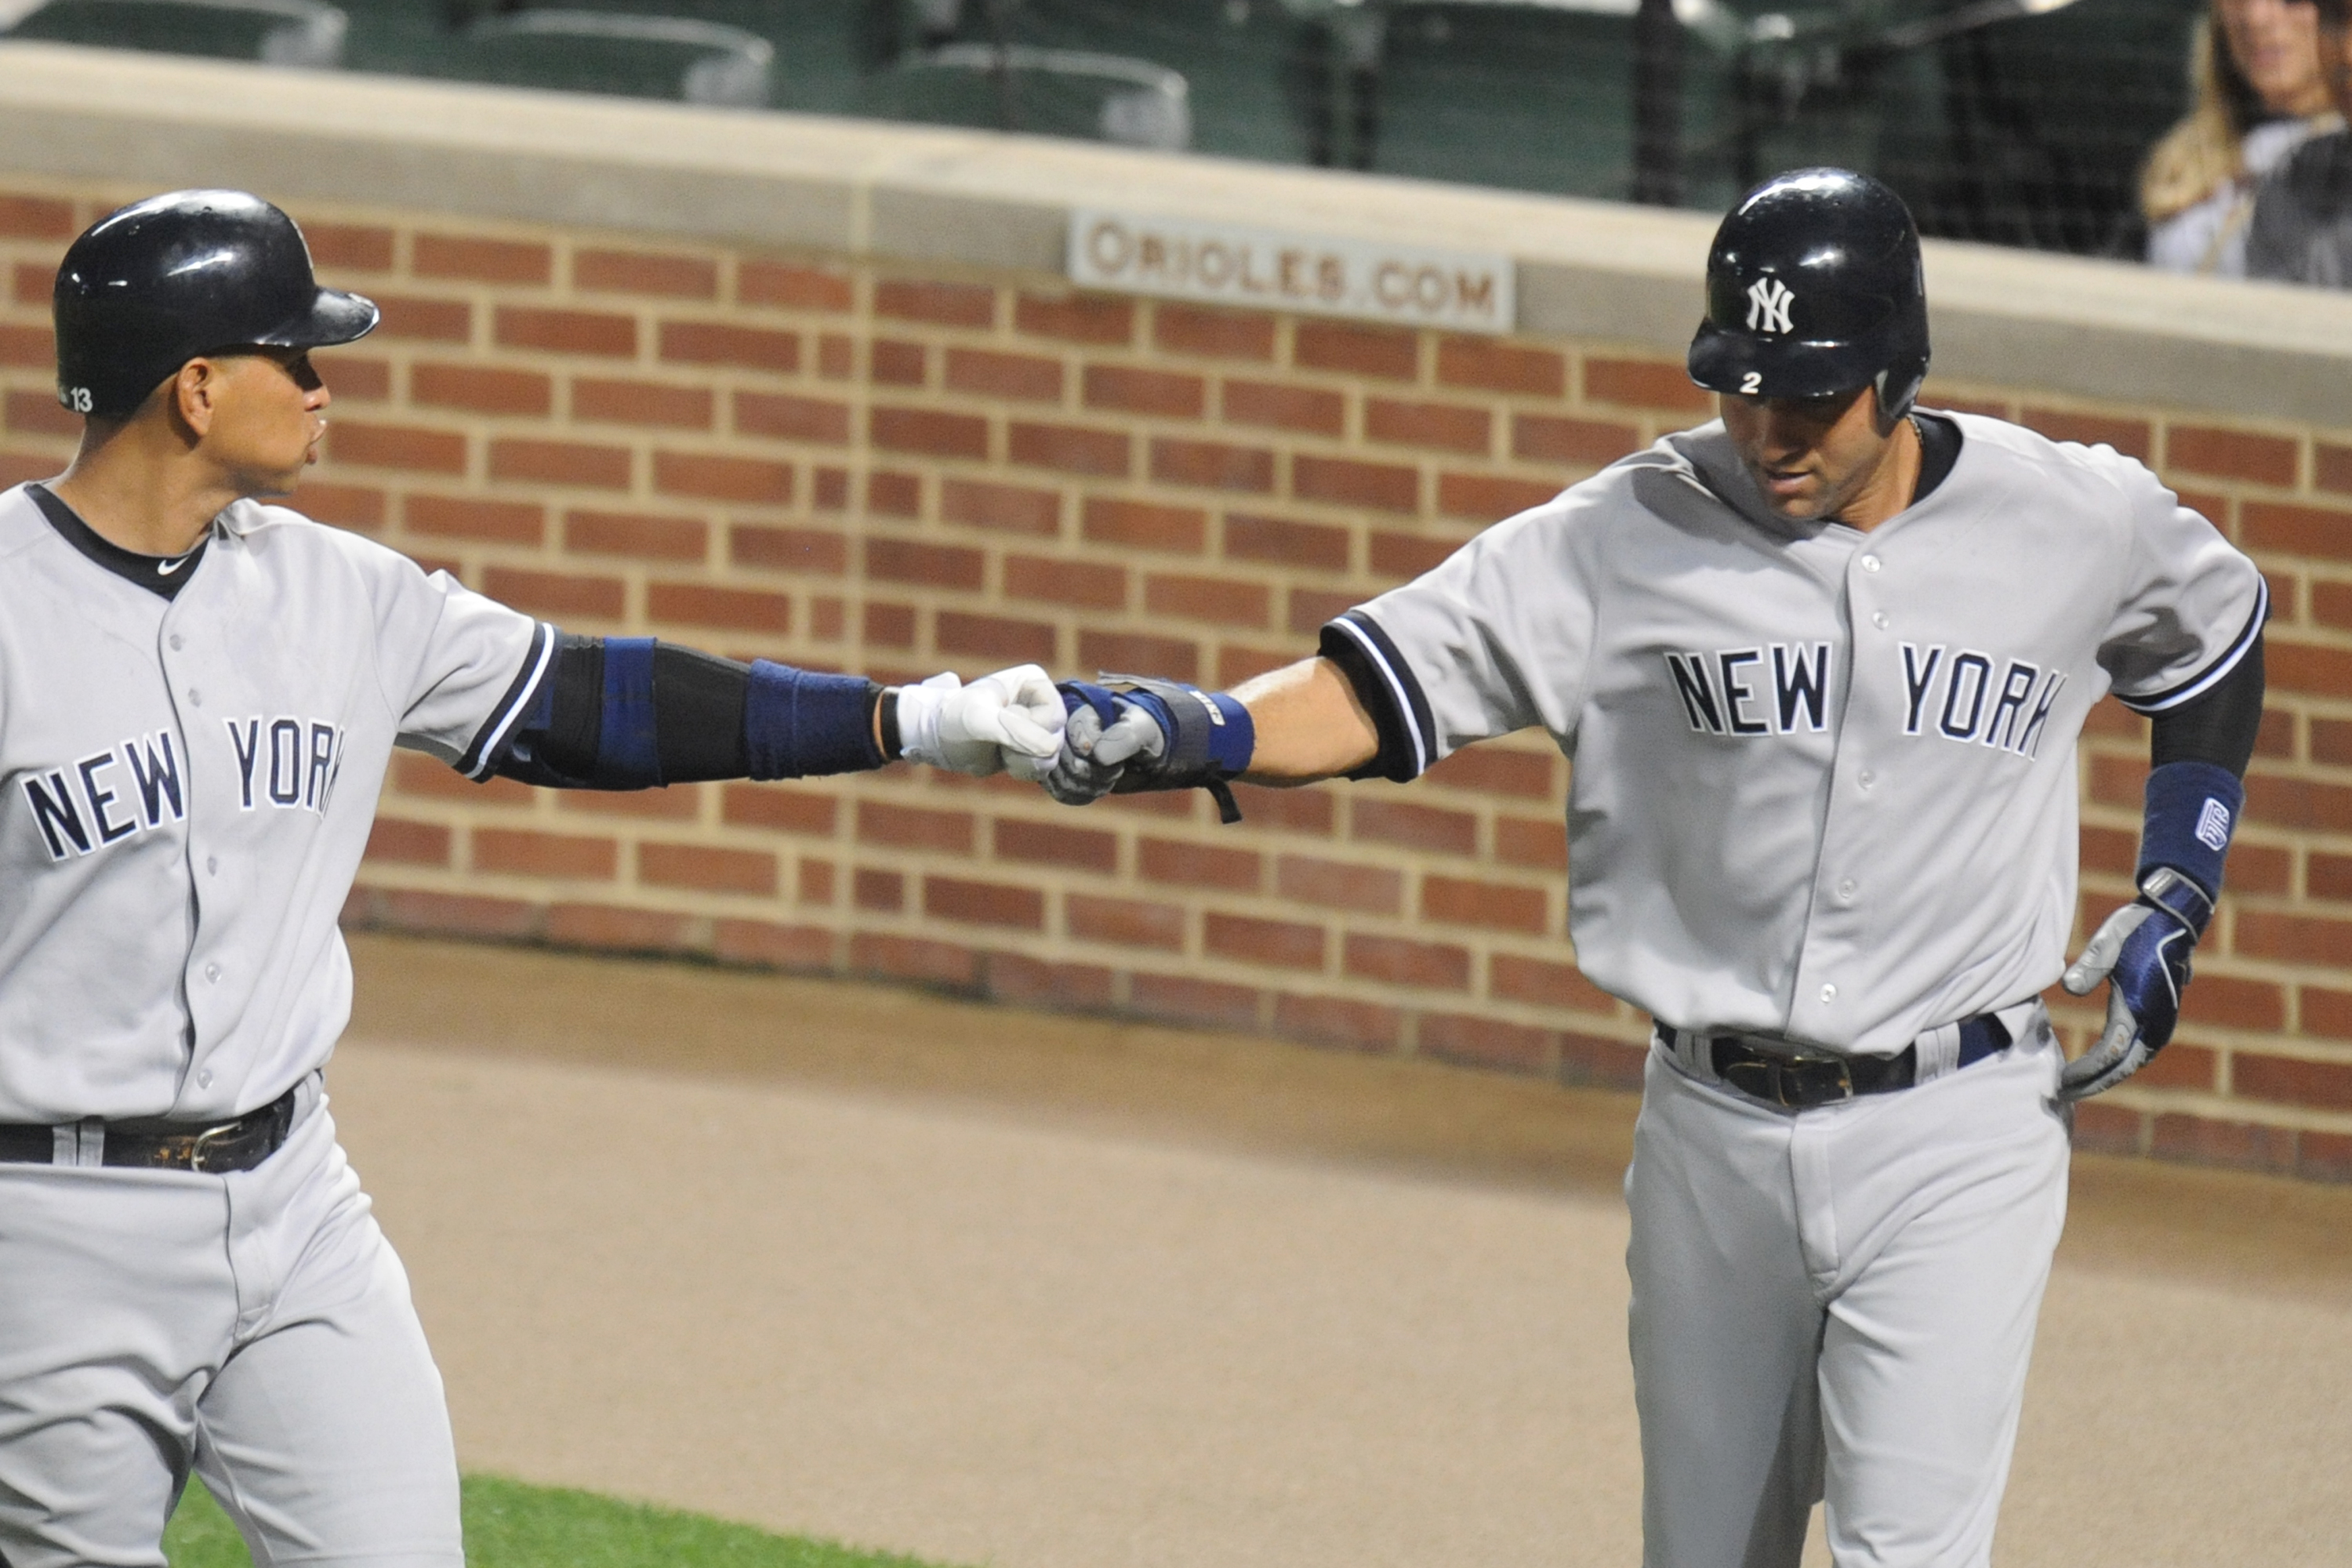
1820,667
199,695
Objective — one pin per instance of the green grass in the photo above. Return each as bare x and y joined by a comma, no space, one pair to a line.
510,1525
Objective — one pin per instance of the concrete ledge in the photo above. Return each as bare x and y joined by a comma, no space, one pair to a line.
1586,270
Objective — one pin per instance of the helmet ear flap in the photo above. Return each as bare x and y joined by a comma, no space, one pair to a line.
1897,387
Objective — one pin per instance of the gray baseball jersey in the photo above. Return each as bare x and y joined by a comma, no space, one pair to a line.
188,787
1824,781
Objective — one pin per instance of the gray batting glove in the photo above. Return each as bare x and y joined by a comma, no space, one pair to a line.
1094,756
2142,953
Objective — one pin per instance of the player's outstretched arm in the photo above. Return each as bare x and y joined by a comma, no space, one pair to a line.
2199,754
624,713
1129,733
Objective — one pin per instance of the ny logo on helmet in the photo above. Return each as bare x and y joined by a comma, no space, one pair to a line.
1769,299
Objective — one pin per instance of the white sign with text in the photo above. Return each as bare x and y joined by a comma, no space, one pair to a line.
1467,292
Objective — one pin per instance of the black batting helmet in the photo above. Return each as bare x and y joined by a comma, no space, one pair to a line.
1813,287
150,287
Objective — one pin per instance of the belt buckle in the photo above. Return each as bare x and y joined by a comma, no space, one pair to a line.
1795,1069
1783,1077
202,1141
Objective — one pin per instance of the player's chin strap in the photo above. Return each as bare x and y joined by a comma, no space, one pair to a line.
2143,948
1129,733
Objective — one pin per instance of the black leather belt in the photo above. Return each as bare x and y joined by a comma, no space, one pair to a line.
214,1147
1802,1078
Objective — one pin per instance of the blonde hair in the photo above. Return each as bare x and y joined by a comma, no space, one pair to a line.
2207,149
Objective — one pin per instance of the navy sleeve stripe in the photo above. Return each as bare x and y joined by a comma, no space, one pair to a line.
1403,690
476,764
2206,680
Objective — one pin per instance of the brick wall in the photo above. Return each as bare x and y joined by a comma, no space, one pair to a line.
866,466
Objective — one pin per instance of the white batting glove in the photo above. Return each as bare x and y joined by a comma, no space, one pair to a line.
977,728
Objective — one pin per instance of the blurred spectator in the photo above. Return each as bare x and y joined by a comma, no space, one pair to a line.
1334,77
2255,70
2302,227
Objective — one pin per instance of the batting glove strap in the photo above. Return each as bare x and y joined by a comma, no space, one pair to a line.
2142,951
1208,736
2192,810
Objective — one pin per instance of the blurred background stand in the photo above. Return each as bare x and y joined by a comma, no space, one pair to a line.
306,33
606,52
1065,92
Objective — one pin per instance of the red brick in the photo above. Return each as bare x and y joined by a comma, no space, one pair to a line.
738,610
1614,1064
1007,509
993,637
836,356
616,930
1139,653
396,446
2132,437
1311,607
1500,367
882,891
928,431
811,549
2294,939
2259,868
2108,1129
912,958
1547,984
993,374
2110,851
1492,770
28,346
1237,663
354,378
1398,556
1644,383
642,403
1531,845
556,593
1277,944
1483,496
791,418
645,272
1142,525
2280,529
1222,601
983,903
566,332
2247,1145
33,283
408,843
794,288
481,260
1070,449
1428,966
779,808
1386,487
636,534
2183,1067
2231,1003
37,217
710,478
1312,410
1498,906
1075,318
1309,810
1125,922
1181,998
2331,603
2332,467
573,463
1197,865
566,856
1585,443
1215,334
1379,351
1412,827
2329,877
443,914
2331,741
345,505
2304,666
413,773
2274,736
894,362
772,946
2230,454
706,869
1089,584
1444,425
947,304
932,565
2325,1012
1136,391
717,342
2299,803
2323,1156
451,517
1032,983
431,320
1338,1021
890,626
41,414
1047,844
1485,1042
1285,541
1340,884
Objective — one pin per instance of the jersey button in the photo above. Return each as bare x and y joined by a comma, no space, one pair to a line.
195,698
1867,779
1878,619
212,864
204,1078
1845,889
1870,562
1829,993
178,642
212,971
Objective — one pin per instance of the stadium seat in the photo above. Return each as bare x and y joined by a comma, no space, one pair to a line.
278,32
617,52
1058,92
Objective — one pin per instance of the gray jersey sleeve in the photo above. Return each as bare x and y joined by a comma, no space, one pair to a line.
2189,605
1495,637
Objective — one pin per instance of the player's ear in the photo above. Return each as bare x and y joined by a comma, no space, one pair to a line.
194,396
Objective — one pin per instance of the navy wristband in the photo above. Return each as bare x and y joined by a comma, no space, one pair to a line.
2192,809
627,743
798,723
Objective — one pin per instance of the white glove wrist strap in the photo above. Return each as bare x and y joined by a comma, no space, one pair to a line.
918,720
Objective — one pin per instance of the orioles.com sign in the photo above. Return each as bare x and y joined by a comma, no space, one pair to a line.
1408,285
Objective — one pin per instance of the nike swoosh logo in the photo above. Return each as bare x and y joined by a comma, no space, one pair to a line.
165,568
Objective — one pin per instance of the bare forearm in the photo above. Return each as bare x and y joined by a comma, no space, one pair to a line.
1310,725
